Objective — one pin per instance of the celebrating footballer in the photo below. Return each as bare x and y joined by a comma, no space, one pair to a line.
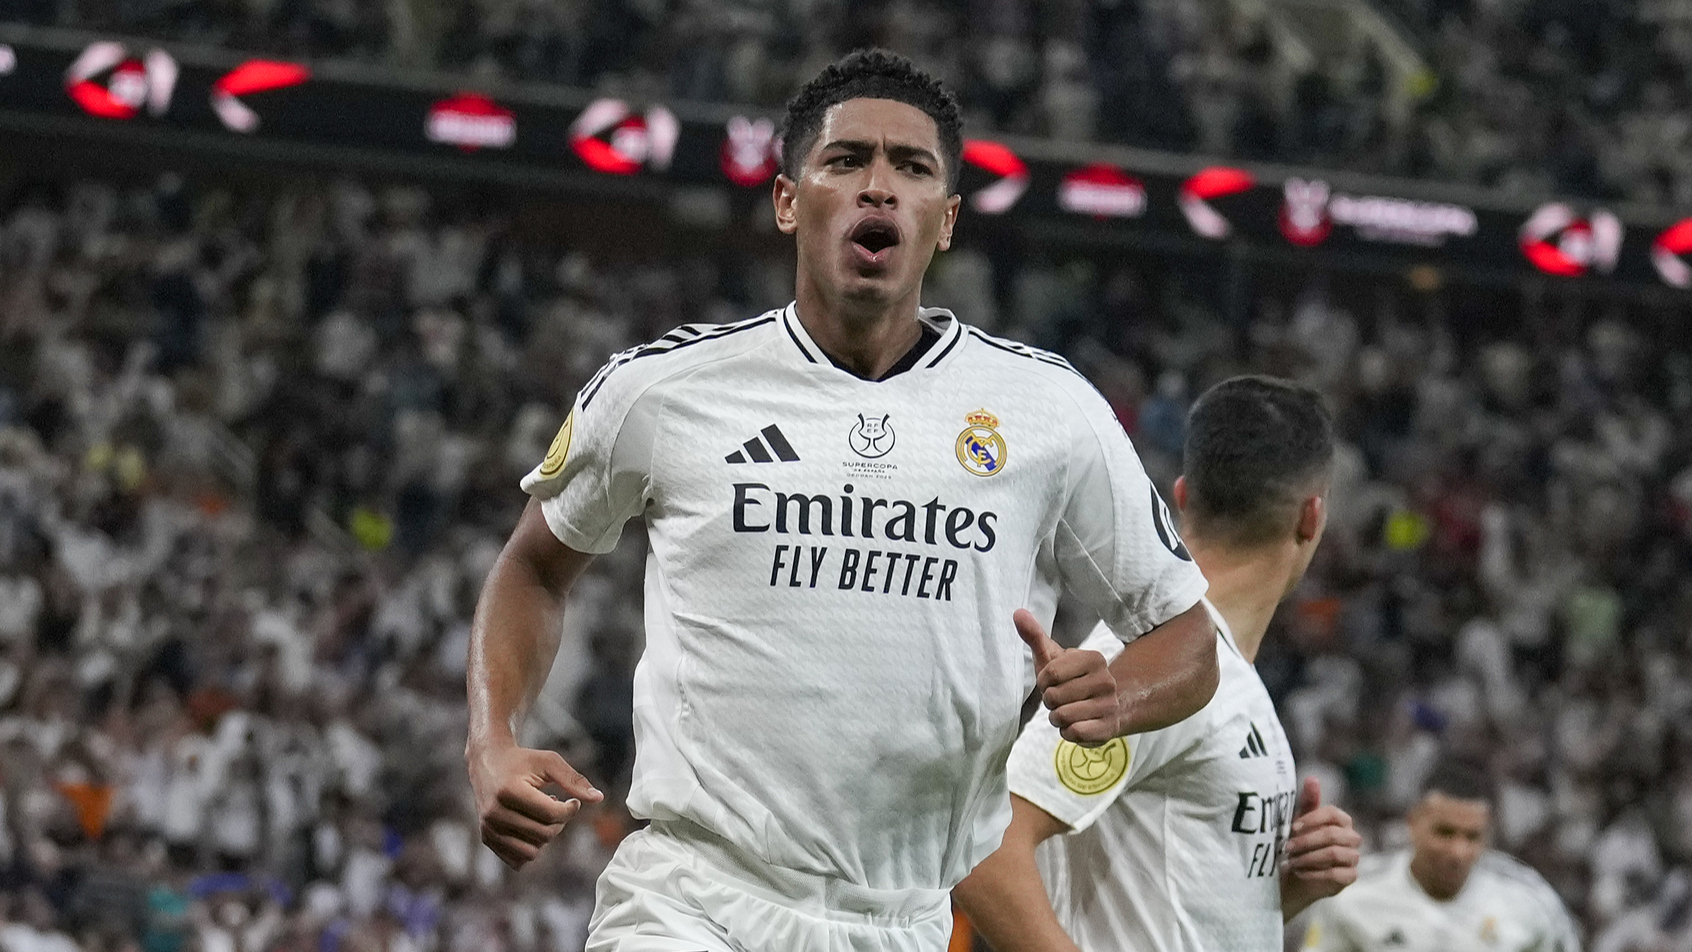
848,500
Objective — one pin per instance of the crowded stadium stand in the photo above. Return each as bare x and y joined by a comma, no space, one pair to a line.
264,405
1578,97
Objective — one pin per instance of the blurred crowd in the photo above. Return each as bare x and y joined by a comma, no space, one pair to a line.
1580,97
258,450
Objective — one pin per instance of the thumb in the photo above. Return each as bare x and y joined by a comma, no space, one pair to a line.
556,770
1045,649
1310,797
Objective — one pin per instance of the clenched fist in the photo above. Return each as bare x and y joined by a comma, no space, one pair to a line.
1075,684
518,815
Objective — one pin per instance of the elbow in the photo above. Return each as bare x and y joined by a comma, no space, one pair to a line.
1170,674
1203,670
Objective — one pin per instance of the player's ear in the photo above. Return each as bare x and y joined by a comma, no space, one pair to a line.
1179,493
784,193
1312,518
952,205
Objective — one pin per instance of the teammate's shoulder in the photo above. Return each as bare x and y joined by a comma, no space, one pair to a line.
677,351
1509,872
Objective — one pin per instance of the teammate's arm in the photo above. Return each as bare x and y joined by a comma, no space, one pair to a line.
1322,855
1005,897
513,640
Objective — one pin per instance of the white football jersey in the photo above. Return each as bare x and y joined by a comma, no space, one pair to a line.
1177,834
831,679
1504,907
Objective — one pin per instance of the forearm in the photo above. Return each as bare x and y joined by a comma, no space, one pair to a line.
1006,901
514,635
513,641
1168,674
1005,897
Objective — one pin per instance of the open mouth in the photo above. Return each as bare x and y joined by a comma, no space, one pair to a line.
875,235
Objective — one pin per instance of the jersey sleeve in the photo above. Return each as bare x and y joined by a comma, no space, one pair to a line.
1077,784
597,472
1116,544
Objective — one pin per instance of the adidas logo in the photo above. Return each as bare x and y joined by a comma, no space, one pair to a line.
758,451
1254,745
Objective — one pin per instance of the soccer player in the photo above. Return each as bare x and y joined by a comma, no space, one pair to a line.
1447,892
1196,836
847,500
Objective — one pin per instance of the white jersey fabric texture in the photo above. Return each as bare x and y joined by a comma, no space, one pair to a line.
1177,834
1504,907
670,888
832,681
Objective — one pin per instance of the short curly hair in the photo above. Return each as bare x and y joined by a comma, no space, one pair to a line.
871,74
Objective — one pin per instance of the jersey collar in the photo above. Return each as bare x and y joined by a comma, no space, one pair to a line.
1222,628
937,319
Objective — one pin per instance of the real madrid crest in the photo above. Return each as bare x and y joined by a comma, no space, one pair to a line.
981,449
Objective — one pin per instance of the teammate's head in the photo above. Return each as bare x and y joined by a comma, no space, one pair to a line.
1449,826
871,150
1257,463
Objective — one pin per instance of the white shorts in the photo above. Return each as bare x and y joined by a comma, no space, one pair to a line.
674,888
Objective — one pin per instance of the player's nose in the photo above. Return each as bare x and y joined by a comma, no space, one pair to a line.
877,191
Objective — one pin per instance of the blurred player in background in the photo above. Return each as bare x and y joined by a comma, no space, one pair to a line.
1194,837
1448,892
847,499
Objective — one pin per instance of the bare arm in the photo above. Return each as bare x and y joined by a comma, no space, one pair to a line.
513,641
1162,678
1005,897
1168,674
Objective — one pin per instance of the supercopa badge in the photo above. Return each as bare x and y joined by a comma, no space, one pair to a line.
1090,771
559,451
981,449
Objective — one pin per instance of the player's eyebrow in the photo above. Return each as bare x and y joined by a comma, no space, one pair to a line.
895,151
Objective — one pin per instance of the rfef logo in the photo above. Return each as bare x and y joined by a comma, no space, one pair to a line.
253,76
751,152
611,137
471,121
1557,240
1104,191
1666,254
109,83
1204,187
1006,166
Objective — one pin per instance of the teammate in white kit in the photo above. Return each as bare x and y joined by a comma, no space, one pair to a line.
1193,838
846,499
1447,892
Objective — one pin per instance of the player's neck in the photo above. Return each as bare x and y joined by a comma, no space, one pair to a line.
868,339
1246,585
1422,878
